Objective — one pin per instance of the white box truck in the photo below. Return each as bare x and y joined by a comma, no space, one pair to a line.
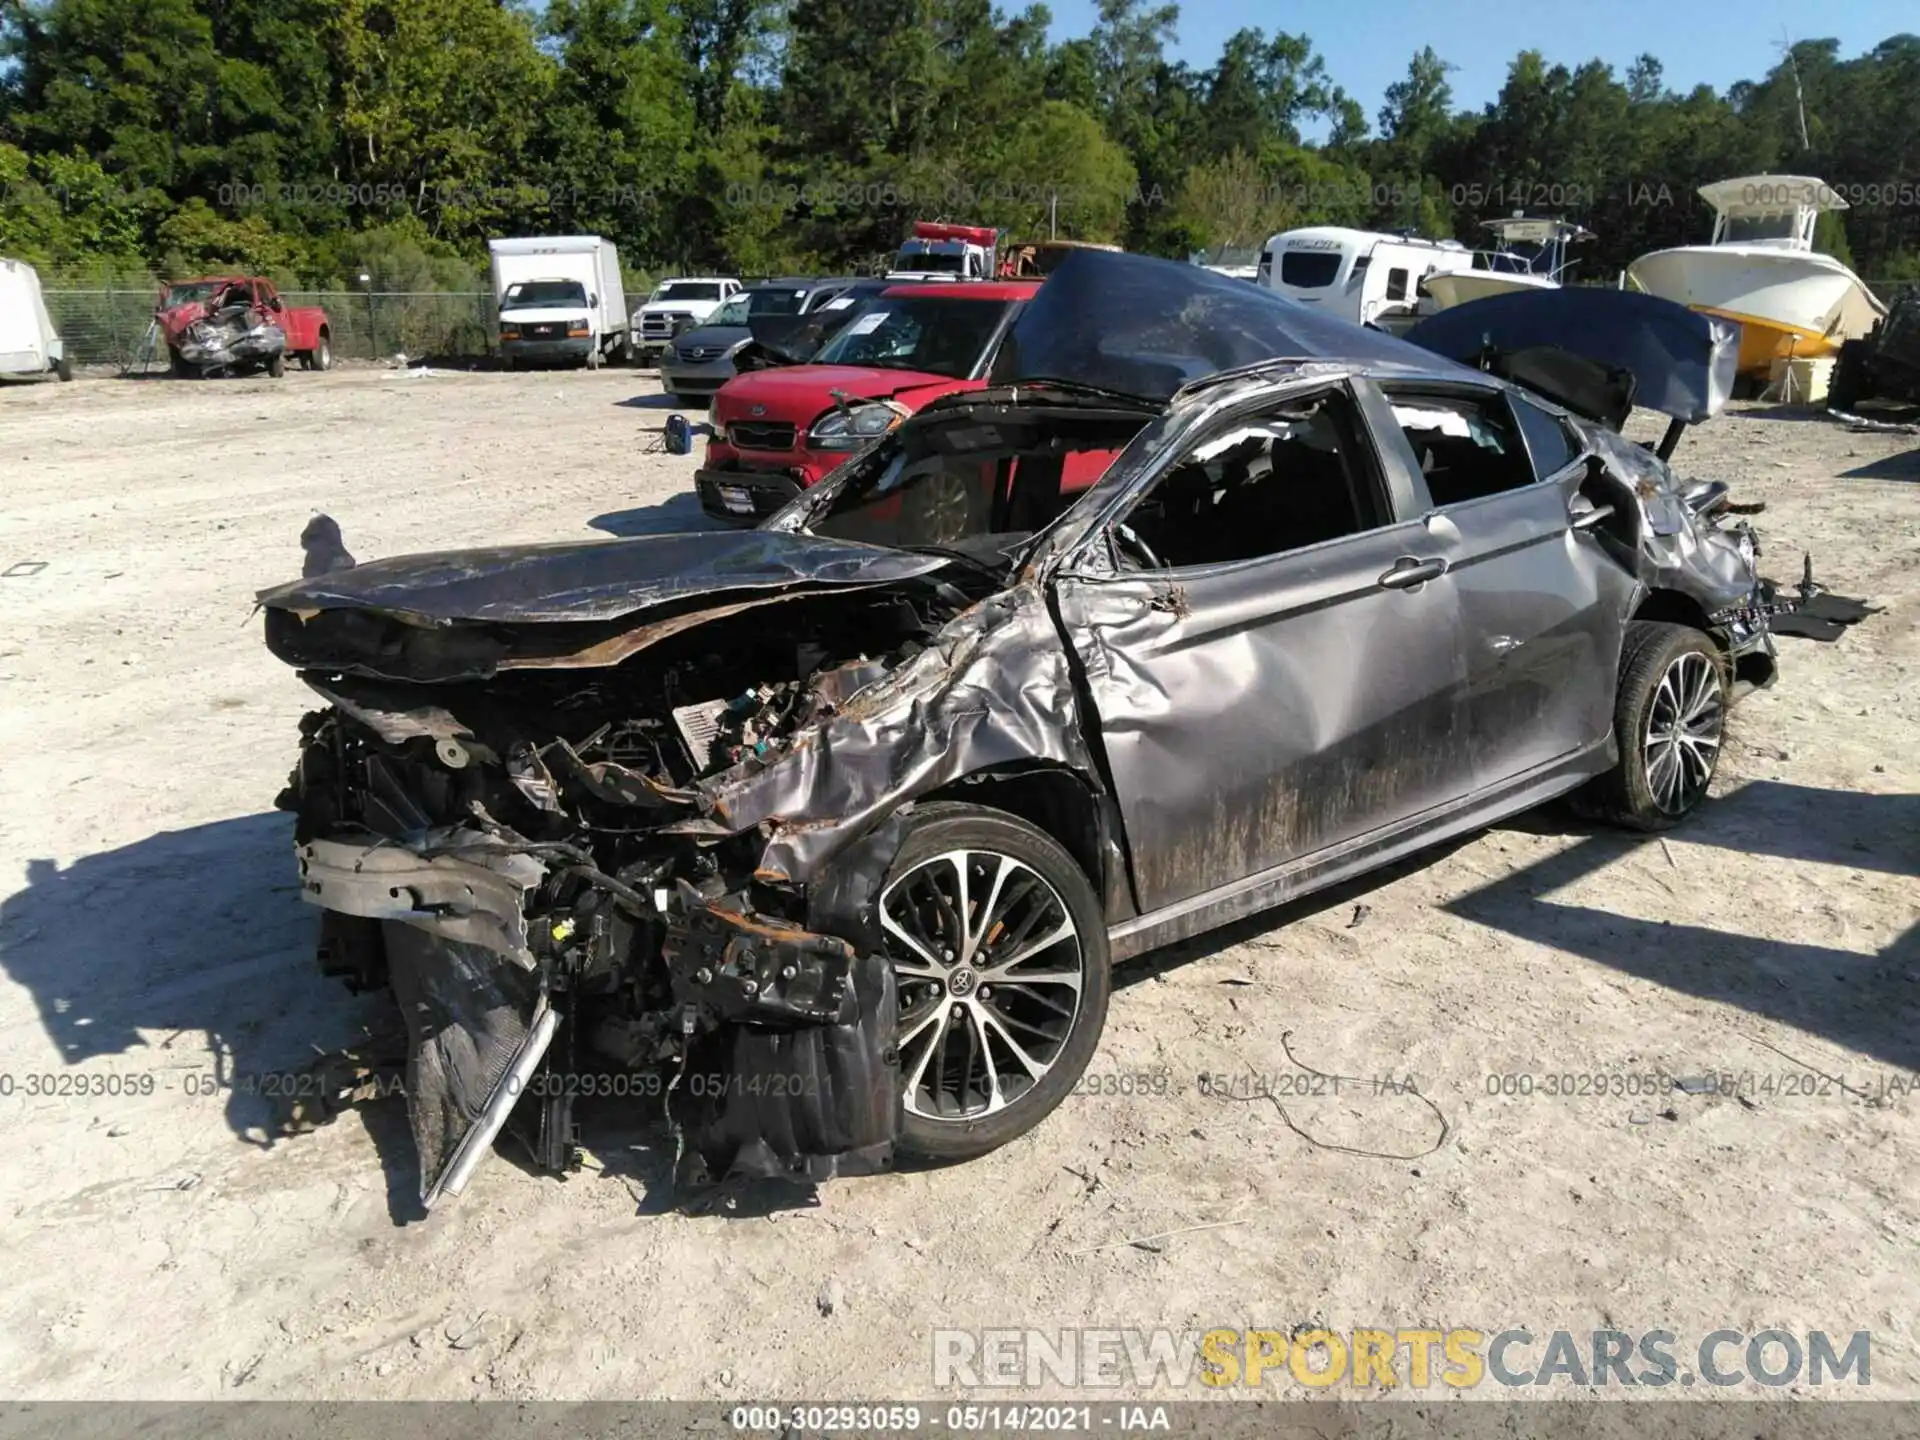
560,300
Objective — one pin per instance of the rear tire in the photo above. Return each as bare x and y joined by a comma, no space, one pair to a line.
321,356
1849,382
1669,721
1000,951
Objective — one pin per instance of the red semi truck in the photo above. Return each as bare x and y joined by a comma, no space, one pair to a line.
228,322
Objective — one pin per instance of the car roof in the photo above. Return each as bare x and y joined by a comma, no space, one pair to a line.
967,289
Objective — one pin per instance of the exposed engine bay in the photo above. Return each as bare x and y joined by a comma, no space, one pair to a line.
234,336
551,818
228,329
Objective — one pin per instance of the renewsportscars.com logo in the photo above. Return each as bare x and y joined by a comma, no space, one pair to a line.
1458,1358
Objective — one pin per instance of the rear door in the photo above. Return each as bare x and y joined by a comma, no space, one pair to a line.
1542,606
1272,670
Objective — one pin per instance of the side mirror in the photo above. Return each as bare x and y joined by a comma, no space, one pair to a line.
594,301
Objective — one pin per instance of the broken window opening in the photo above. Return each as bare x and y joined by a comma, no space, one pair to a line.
1264,485
1467,448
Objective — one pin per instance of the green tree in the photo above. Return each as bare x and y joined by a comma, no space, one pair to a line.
616,137
1056,172
1409,160
439,103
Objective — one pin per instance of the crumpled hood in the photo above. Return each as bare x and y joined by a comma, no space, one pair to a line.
175,319
1682,362
800,393
1141,327
593,579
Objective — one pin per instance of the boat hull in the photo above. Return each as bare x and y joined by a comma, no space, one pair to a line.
1462,287
1788,303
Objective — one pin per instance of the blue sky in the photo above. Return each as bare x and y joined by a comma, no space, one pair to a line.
1367,43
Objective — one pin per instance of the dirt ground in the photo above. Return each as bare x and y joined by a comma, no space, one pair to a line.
162,1245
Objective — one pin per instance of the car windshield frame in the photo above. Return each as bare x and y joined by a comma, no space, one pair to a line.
1754,227
532,293
777,300
189,291
932,262
844,347
869,474
733,311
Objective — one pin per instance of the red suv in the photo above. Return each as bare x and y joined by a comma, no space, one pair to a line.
777,431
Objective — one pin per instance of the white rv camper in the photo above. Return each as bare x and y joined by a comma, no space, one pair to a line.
1361,275
28,347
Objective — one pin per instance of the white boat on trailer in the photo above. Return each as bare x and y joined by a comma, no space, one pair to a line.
1529,253
1761,269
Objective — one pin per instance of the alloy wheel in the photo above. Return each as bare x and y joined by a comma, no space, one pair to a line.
942,503
990,968
1683,732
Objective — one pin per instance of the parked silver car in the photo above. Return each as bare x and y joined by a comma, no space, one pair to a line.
699,361
823,838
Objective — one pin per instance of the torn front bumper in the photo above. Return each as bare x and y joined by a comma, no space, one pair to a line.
212,346
468,901
780,1056
801,1080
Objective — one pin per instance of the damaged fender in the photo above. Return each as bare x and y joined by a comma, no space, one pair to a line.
993,691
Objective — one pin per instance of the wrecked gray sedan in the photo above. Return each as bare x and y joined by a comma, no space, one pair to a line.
822,838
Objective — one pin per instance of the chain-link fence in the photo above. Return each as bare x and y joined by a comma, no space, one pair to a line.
105,325
109,326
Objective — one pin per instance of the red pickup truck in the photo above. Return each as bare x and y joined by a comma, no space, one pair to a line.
228,322
778,431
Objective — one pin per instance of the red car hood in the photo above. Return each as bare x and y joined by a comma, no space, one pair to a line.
176,318
800,393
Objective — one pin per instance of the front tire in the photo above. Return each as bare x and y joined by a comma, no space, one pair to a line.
277,366
1000,952
1669,721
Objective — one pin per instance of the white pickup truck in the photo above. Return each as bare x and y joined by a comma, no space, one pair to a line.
677,305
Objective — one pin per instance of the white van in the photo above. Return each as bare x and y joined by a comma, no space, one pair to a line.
1364,276
28,346
560,299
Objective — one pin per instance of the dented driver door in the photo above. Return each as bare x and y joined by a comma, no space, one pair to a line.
1274,675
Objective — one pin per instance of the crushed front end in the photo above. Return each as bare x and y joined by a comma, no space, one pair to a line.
515,826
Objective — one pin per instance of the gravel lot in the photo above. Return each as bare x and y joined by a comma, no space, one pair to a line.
163,1245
